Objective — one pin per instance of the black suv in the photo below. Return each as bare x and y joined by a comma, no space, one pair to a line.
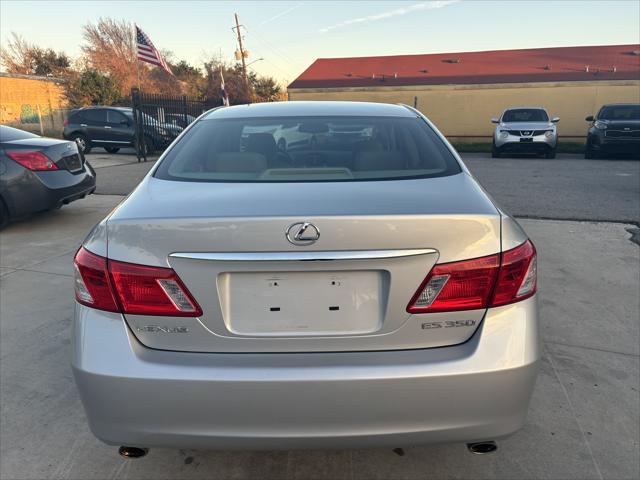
616,129
113,128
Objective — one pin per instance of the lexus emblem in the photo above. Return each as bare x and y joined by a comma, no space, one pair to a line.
302,233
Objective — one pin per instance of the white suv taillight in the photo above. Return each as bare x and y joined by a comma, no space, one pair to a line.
128,288
478,283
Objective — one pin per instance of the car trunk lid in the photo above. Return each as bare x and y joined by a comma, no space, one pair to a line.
346,291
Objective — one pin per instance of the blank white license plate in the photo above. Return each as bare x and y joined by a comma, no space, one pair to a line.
303,303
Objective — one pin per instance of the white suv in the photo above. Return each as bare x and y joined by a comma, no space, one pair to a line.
525,130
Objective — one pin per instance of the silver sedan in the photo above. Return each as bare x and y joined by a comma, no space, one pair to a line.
347,292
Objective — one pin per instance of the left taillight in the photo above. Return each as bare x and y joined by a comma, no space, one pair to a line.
129,288
92,283
32,159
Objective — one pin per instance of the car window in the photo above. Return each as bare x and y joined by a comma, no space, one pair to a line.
620,112
115,117
525,115
9,134
95,115
308,149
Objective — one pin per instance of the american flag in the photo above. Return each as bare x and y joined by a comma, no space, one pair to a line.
148,53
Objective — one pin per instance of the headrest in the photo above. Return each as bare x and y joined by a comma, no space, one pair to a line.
263,143
238,162
380,160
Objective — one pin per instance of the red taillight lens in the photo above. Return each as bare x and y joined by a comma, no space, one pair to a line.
152,291
32,159
92,282
479,283
65,122
518,275
128,288
463,285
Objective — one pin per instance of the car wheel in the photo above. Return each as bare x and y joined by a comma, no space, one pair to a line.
589,152
282,145
4,215
495,153
112,149
84,144
551,153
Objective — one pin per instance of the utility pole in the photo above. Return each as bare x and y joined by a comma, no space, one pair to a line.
241,48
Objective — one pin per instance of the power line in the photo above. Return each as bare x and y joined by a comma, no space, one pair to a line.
274,49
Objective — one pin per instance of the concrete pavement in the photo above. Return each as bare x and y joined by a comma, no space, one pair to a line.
583,420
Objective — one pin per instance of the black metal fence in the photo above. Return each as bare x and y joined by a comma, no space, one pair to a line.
159,119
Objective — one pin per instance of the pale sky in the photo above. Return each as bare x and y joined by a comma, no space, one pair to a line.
291,35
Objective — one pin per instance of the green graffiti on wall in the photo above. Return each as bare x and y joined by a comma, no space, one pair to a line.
28,114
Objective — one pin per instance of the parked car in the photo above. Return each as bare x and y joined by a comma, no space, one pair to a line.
39,173
113,128
525,130
615,129
317,298
179,119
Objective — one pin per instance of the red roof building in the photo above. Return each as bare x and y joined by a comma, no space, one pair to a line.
609,62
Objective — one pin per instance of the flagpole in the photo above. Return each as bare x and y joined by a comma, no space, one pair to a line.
136,54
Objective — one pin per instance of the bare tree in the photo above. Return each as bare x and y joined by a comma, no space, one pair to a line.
20,56
109,48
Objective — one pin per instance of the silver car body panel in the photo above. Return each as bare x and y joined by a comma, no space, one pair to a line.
454,220
137,396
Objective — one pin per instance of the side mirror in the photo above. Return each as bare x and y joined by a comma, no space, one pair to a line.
555,119
590,118
495,120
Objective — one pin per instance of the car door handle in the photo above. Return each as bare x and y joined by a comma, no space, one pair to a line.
107,126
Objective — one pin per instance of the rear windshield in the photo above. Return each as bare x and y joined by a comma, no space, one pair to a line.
308,149
620,112
525,115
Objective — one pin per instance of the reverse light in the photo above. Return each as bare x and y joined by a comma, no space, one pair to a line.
128,288
478,283
32,160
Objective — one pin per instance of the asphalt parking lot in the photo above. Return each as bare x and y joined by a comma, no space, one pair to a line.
583,420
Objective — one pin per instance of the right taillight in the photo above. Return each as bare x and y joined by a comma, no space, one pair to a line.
478,283
518,277
128,288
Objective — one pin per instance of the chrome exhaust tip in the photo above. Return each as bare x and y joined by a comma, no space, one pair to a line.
482,448
132,452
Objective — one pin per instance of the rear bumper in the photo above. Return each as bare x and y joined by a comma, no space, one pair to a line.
37,191
136,396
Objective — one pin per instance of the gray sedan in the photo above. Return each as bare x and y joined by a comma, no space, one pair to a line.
357,292
38,173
